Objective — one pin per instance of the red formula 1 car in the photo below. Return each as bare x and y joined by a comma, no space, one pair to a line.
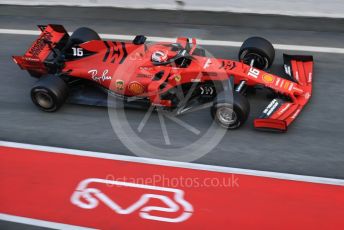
171,76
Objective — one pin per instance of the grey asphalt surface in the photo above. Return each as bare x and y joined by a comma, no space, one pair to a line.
313,146
16,226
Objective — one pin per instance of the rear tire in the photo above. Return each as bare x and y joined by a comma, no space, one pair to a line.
258,49
231,116
82,35
49,93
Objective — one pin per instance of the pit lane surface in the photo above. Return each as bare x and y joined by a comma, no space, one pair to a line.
313,146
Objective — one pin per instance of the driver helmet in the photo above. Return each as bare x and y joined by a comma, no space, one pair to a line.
160,56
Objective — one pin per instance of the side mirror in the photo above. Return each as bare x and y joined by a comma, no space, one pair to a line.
139,40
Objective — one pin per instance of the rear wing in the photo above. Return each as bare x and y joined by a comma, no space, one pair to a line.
51,37
279,114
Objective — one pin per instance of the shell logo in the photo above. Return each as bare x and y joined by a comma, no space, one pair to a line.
136,88
268,78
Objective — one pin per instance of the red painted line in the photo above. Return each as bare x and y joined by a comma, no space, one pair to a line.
114,194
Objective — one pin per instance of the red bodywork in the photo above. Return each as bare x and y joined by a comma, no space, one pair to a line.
126,68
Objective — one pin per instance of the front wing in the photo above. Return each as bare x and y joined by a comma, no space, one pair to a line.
278,115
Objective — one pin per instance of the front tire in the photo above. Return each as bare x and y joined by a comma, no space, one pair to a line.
231,116
258,49
49,93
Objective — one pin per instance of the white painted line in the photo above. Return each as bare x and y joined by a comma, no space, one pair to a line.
317,49
284,176
21,32
40,223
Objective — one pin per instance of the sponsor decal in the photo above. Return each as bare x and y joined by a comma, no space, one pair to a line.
39,45
227,65
271,107
207,63
286,85
89,194
102,78
268,78
253,72
277,81
142,75
291,86
136,88
119,85
284,109
287,70
296,113
178,78
297,89
207,90
31,59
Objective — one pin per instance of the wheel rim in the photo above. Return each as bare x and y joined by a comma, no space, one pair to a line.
260,62
226,116
44,99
